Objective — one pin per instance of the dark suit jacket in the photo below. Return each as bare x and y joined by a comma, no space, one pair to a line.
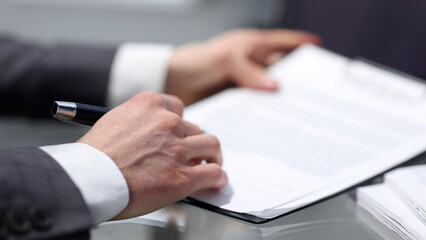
37,198
33,76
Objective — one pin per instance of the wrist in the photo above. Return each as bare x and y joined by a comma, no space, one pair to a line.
137,67
105,192
196,71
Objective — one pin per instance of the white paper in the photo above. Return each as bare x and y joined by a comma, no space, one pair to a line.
324,131
386,206
410,185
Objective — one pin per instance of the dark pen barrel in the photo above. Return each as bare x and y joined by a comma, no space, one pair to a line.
88,114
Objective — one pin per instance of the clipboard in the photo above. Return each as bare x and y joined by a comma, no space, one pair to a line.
357,73
258,220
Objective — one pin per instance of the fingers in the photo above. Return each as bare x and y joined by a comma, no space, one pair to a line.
287,40
191,129
249,74
176,105
248,69
173,104
274,58
205,147
208,176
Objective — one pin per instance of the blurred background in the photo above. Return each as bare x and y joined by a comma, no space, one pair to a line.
389,32
115,21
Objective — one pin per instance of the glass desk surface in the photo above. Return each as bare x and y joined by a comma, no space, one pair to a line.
335,218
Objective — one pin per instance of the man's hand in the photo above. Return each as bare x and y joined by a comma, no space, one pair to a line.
240,57
158,153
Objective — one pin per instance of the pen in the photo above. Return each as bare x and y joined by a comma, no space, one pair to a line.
78,113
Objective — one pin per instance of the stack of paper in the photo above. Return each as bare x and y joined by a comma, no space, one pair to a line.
410,185
399,202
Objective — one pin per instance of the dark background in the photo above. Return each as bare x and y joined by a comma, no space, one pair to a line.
390,32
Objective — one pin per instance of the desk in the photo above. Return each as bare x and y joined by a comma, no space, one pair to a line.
336,218
332,219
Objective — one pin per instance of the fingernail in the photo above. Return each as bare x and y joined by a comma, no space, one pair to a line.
270,82
311,38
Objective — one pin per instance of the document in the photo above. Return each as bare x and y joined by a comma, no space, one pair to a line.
334,123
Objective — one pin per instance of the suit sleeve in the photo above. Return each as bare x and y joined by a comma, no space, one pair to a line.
32,76
38,200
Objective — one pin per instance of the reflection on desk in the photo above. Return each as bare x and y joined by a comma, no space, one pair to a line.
332,219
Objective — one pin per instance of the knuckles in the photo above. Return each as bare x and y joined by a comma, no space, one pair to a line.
159,101
179,181
177,101
186,181
169,121
155,102
150,98
178,151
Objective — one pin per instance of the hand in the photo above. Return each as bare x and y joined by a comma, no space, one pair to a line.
240,57
158,153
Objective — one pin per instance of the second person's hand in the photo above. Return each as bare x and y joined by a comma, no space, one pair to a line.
239,57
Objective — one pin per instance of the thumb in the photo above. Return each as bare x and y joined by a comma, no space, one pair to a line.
249,74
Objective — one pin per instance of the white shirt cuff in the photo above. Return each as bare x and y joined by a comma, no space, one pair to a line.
136,68
100,181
